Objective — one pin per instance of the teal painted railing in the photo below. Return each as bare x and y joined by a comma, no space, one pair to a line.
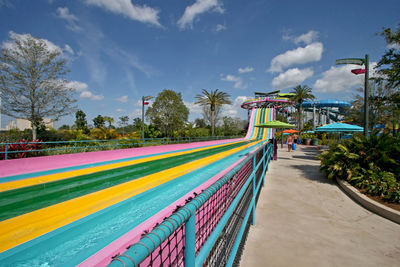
28,149
209,228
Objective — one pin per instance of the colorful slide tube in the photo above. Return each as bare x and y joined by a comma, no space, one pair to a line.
84,208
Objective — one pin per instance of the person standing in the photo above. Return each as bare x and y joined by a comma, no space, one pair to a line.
289,142
295,137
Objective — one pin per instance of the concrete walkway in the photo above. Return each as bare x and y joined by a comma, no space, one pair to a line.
302,219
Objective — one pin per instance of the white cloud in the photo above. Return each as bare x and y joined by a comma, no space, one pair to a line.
245,69
23,37
194,108
232,110
199,7
82,88
143,14
338,79
50,46
68,49
72,20
120,110
301,55
231,78
123,99
394,46
307,38
291,78
341,79
220,27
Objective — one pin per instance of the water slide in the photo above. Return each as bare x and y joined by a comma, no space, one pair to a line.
82,209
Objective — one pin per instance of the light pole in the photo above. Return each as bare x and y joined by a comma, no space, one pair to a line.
144,103
361,61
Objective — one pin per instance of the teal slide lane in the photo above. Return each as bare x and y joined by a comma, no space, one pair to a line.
73,243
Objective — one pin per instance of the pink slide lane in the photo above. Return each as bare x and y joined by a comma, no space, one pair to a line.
103,257
28,165
251,123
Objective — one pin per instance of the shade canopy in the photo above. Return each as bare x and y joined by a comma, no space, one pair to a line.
308,132
340,127
290,131
276,124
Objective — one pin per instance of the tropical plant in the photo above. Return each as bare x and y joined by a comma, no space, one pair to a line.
99,121
302,93
32,83
371,164
213,100
20,149
109,120
123,122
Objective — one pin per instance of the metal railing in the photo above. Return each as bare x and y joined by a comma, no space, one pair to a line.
28,149
209,228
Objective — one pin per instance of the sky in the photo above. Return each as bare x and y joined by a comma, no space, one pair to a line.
121,50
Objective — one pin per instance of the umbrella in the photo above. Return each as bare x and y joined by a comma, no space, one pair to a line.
308,132
340,127
290,131
276,125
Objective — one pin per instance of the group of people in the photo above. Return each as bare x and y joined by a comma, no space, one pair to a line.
290,139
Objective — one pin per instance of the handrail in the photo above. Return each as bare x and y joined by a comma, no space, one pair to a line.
185,215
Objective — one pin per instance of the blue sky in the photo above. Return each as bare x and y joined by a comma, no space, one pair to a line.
121,50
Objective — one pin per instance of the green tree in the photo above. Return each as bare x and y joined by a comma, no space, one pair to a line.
232,126
213,100
200,123
64,127
137,124
302,93
168,112
123,122
389,65
109,120
99,122
32,83
80,121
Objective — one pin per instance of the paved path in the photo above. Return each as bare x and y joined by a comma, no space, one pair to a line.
304,220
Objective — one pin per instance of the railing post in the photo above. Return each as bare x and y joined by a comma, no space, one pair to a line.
254,189
75,147
190,241
5,151
264,163
116,146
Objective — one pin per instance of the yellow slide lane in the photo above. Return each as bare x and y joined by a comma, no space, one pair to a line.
69,174
256,129
20,229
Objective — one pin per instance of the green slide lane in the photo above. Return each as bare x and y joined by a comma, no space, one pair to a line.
262,120
23,200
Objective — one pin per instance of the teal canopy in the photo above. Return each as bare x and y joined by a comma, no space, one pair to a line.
340,127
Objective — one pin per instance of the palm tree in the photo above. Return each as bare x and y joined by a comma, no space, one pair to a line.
212,99
109,120
302,93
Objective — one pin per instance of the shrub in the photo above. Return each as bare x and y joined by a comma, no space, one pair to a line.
21,146
372,164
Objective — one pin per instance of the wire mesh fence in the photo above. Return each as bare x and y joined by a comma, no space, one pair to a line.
222,215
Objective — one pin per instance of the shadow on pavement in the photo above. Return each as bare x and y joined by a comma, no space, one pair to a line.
313,173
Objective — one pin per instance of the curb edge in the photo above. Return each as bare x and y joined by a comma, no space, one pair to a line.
370,204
